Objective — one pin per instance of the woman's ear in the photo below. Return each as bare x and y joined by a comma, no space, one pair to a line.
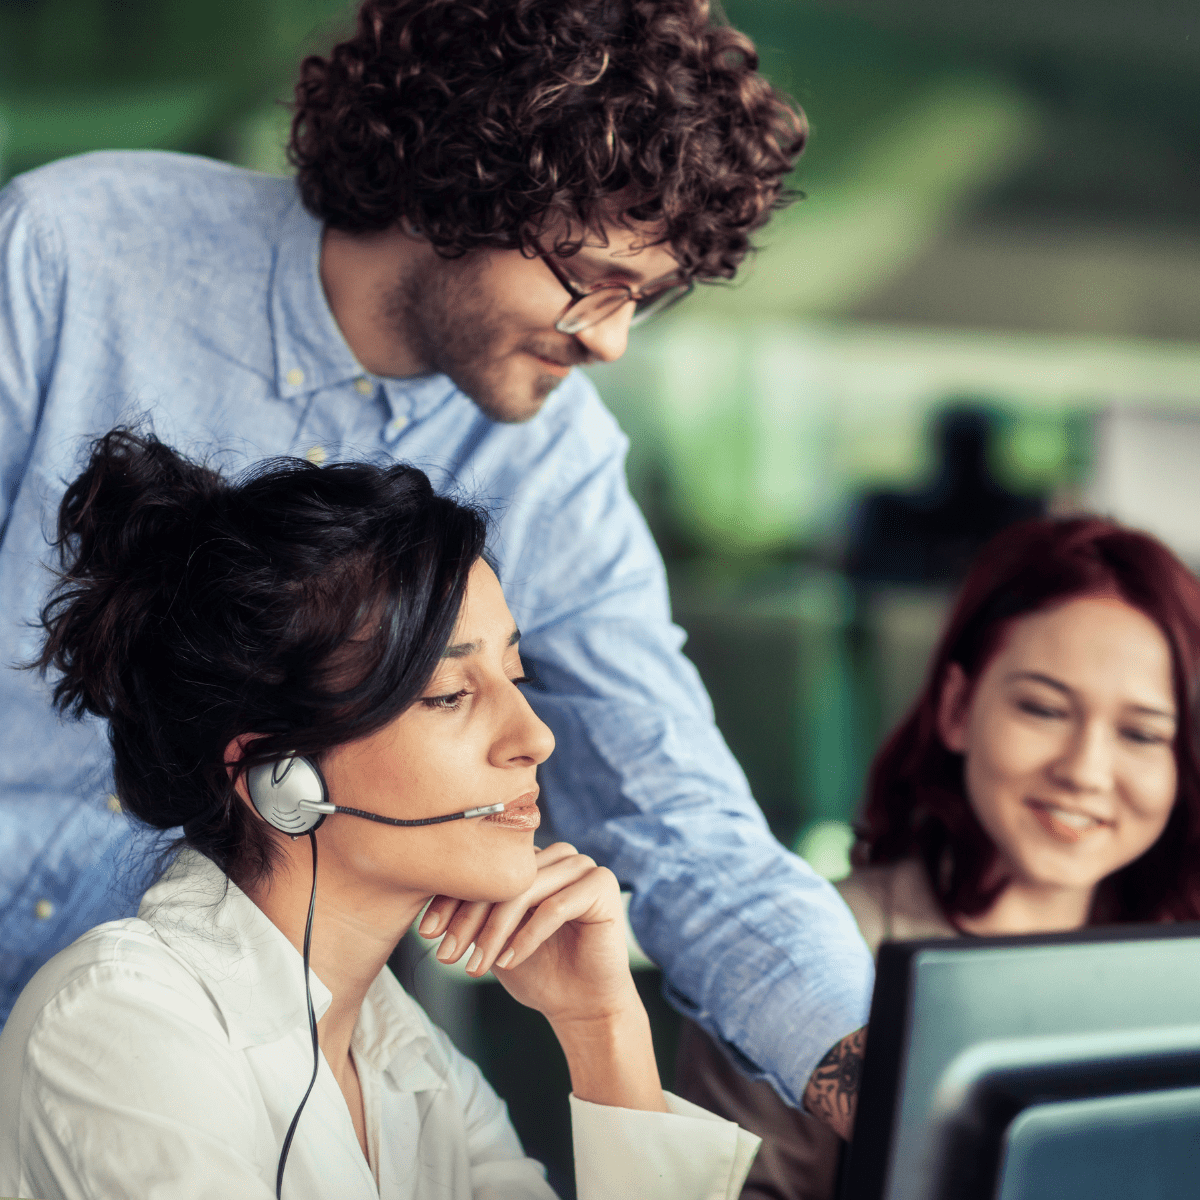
234,753
954,709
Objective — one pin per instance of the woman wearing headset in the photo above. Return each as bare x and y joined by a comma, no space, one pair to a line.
1046,778
282,655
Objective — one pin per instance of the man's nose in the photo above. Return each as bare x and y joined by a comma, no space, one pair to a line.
607,339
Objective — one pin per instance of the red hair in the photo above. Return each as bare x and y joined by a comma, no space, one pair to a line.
916,796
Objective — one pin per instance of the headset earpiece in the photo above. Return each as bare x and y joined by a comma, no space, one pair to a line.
277,788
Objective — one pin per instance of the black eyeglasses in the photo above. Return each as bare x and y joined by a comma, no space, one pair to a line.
590,306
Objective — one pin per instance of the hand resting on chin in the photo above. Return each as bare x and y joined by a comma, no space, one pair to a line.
559,948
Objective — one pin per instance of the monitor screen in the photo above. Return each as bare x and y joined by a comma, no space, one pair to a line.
1139,1144
995,1062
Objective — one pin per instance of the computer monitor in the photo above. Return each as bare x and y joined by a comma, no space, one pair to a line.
1034,1068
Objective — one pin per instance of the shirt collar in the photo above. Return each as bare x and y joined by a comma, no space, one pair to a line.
310,350
418,396
255,976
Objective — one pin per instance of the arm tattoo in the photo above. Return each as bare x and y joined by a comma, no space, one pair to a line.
832,1092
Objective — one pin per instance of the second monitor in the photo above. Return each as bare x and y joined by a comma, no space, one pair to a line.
1054,1066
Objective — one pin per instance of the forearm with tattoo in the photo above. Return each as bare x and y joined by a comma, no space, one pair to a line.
832,1092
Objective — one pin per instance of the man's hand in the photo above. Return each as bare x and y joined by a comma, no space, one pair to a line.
832,1092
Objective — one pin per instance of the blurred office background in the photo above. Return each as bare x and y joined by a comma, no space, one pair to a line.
986,306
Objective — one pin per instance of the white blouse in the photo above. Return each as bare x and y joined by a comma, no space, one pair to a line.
163,1057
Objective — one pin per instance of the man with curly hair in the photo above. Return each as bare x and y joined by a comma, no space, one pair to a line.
614,173
488,193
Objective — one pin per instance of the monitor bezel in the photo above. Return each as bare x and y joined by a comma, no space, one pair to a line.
869,1155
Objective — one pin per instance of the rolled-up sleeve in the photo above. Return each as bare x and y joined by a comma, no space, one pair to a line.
684,1154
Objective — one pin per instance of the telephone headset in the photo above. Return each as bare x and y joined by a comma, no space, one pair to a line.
291,795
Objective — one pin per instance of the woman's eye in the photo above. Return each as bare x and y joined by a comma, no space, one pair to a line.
446,703
1144,737
1034,709
522,679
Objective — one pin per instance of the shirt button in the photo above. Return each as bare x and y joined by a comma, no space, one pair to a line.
397,424
363,386
295,377
113,802
44,910
316,455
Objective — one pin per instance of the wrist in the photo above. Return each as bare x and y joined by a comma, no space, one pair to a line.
600,1028
611,1059
590,1013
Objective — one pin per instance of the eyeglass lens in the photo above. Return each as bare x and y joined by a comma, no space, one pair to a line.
596,306
651,306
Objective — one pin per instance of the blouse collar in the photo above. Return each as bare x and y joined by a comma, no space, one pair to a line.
255,976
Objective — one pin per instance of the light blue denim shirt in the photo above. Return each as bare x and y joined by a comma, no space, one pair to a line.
186,291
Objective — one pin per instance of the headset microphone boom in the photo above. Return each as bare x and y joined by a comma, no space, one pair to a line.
292,796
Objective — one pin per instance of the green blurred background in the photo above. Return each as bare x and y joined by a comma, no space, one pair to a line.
1002,211
1002,204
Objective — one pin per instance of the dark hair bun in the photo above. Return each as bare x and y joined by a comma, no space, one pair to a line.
306,604
124,528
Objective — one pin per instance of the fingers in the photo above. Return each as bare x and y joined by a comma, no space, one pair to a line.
441,910
593,898
503,920
438,915
461,932
491,926
458,920
546,855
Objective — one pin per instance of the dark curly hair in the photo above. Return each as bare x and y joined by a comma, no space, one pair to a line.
917,802
308,604
480,120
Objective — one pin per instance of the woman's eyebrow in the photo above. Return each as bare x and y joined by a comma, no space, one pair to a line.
1048,680
463,649
1147,710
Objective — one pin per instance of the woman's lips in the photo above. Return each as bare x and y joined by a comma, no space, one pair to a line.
521,813
1065,824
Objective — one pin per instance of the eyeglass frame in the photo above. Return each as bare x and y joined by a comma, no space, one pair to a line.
578,294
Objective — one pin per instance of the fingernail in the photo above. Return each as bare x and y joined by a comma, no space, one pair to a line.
448,946
429,922
506,958
476,959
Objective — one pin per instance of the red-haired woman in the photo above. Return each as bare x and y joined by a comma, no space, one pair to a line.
1047,777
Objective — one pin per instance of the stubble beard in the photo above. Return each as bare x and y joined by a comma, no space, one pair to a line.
448,322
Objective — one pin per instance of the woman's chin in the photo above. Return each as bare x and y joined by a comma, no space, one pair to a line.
1062,871
500,882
